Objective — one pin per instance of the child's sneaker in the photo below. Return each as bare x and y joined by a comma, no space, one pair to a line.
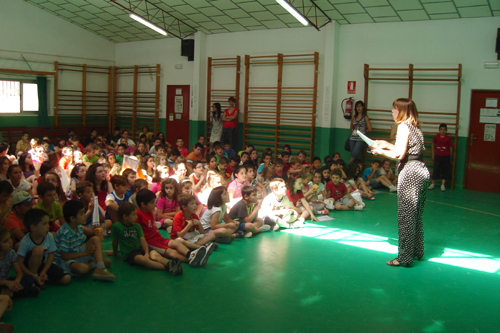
32,291
324,212
174,267
239,234
103,275
223,240
443,188
265,227
431,186
393,188
158,224
210,249
248,234
196,256
299,223
358,207
107,262
169,229
276,227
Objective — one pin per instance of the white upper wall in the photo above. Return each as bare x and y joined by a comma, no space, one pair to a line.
167,53
41,36
440,43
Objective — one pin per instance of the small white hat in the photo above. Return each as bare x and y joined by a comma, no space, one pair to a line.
21,197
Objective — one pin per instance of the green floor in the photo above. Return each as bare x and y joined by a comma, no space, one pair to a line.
330,277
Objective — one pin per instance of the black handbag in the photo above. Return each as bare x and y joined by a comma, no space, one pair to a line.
347,146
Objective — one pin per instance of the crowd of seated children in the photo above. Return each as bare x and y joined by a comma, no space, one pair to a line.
212,196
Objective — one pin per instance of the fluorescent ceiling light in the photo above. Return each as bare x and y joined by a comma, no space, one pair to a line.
293,11
148,24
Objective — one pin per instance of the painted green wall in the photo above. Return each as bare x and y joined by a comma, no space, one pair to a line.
17,121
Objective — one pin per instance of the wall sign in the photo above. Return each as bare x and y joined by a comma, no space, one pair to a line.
351,87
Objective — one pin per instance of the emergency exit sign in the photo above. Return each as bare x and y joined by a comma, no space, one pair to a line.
351,87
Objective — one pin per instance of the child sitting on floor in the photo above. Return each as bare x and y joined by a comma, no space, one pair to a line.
277,211
116,198
21,203
211,221
234,188
264,178
197,177
37,250
187,188
373,178
171,248
246,212
317,194
75,254
279,170
20,284
47,196
167,205
187,225
129,236
340,194
298,199
85,192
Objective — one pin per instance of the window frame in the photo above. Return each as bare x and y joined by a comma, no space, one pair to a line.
21,93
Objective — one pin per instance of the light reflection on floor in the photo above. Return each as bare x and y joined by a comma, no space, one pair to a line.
458,258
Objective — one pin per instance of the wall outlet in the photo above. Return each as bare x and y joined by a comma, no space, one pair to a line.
178,66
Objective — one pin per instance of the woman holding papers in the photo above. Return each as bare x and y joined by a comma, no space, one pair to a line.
413,180
360,122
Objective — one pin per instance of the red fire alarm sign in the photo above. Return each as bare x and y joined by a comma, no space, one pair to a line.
351,87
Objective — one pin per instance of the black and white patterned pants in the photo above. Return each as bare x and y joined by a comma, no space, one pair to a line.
412,188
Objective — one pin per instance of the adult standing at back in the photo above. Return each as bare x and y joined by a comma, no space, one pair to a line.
230,118
217,123
412,182
359,122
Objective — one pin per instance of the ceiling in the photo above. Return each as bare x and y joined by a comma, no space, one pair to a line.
219,16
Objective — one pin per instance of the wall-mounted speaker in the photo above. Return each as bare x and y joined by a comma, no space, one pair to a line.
187,49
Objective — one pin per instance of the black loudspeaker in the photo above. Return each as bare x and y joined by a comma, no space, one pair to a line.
187,49
497,48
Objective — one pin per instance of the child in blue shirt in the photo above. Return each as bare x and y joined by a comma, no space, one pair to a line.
37,250
74,254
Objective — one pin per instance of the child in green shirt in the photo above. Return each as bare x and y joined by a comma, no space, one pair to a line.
130,237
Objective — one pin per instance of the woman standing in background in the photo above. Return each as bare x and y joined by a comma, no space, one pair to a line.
230,118
217,123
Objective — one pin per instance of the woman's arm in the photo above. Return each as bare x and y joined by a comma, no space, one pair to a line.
396,151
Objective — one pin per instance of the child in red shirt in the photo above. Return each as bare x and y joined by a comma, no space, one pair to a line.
442,147
187,224
338,191
146,200
296,198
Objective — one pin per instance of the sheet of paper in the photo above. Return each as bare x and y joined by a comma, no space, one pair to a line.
489,120
492,102
490,112
325,218
366,139
490,132
179,104
178,91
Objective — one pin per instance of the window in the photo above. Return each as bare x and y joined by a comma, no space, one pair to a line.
18,96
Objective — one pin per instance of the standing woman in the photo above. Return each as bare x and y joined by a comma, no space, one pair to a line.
217,123
413,180
359,122
230,118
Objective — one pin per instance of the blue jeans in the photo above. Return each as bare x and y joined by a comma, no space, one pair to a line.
356,148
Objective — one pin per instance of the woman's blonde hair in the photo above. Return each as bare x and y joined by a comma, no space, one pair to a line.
407,111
